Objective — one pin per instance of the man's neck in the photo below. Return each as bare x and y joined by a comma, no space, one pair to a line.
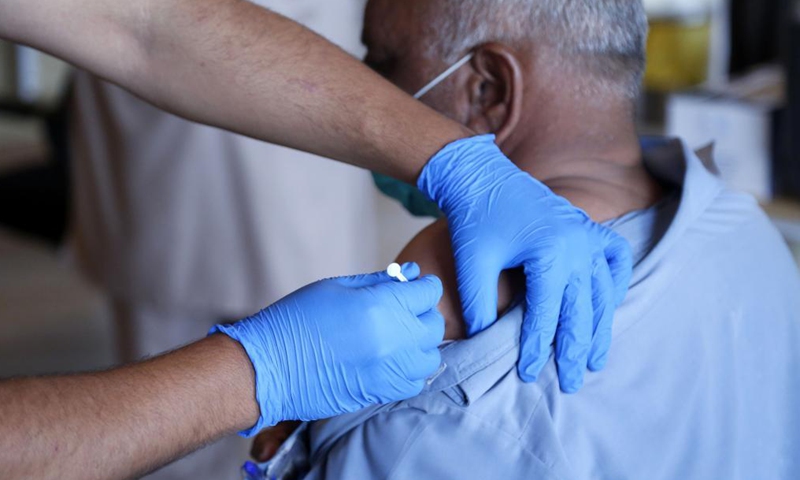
591,157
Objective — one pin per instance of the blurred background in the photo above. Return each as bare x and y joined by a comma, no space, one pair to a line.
76,268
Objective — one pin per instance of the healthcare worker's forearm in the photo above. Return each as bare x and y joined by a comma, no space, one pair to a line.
126,422
240,67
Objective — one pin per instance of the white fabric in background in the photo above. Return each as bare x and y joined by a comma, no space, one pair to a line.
179,216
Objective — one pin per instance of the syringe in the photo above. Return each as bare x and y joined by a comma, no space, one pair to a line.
396,271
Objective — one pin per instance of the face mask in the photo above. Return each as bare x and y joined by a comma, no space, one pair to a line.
441,78
412,199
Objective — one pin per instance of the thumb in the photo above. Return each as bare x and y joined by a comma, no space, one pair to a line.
620,262
477,287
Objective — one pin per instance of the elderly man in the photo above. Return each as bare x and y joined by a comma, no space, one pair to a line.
702,381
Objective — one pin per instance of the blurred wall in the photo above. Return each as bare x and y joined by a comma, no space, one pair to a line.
31,76
6,69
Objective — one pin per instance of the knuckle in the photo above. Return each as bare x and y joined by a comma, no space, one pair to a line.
543,316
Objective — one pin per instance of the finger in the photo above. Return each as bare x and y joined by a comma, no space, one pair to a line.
433,329
604,305
408,371
620,262
418,297
574,336
427,329
477,280
545,293
267,443
425,363
264,449
410,271
287,428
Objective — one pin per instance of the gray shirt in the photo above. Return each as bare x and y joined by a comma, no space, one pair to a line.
703,380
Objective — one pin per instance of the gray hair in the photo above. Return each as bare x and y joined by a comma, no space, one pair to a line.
604,39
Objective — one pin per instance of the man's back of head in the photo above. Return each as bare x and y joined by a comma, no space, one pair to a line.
601,43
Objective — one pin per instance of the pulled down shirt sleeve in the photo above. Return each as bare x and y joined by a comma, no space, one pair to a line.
410,443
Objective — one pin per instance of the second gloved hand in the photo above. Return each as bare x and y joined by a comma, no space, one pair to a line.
343,344
500,217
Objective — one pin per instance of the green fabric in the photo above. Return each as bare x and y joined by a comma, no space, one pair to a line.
410,197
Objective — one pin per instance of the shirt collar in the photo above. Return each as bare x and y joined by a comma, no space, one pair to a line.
473,366
673,162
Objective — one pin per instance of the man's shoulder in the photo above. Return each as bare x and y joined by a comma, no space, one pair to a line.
736,230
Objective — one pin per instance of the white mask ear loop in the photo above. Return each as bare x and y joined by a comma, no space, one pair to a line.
441,78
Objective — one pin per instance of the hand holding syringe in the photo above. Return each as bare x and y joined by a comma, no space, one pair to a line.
395,271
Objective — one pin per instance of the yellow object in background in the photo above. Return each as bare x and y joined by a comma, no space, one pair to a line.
678,53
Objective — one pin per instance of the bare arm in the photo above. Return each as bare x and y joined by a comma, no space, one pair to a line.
237,66
125,422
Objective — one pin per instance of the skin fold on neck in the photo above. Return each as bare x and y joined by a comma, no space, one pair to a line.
586,151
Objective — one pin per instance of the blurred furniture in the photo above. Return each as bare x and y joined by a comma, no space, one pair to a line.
785,213
758,32
34,161
790,182
684,48
678,52
745,120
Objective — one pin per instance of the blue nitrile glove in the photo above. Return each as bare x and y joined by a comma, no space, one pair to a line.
500,218
343,344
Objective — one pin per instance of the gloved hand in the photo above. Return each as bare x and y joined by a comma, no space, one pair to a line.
343,344
500,218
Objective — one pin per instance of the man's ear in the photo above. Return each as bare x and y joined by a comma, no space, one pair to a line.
496,90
